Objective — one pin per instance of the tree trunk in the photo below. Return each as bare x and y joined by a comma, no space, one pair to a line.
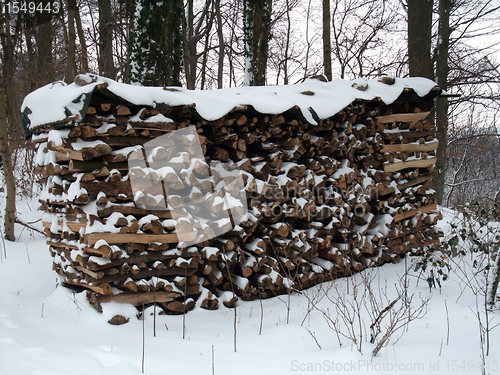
220,35
287,44
204,60
70,61
173,42
45,65
208,29
327,43
188,26
106,64
10,209
32,68
83,43
257,28
7,87
419,38
442,103
496,280
156,43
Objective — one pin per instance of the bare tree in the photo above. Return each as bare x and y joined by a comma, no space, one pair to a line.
327,43
470,72
420,38
70,63
220,36
83,42
106,22
442,103
10,210
7,70
195,28
257,27
360,30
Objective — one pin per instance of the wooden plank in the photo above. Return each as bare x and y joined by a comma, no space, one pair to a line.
66,155
133,210
103,288
425,210
62,245
95,275
115,238
56,124
103,251
138,299
408,134
75,227
414,181
89,166
402,117
411,147
110,188
423,163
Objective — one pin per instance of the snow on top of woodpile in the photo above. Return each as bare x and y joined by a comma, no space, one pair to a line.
59,102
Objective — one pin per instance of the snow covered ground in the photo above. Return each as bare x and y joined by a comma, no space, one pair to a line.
46,329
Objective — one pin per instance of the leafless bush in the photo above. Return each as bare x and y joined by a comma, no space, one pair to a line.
348,313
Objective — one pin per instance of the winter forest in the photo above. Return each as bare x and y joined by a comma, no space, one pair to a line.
216,44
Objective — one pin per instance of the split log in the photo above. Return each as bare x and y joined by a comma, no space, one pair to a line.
422,163
119,238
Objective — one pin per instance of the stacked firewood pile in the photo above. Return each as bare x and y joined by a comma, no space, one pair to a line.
325,200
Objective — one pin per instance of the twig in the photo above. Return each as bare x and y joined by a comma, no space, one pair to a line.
17,221
154,311
143,337
213,361
28,254
185,299
447,323
381,316
234,295
261,313
4,248
234,326
314,337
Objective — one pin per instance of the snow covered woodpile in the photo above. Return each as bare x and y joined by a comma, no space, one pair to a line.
336,177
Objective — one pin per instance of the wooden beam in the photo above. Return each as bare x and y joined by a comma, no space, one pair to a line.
138,299
95,275
423,163
133,210
114,238
89,166
103,251
110,188
62,245
103,288
408,134
402,117
66,155
425,210
75,227
429,146
414,181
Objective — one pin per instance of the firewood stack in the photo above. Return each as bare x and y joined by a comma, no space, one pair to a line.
327,196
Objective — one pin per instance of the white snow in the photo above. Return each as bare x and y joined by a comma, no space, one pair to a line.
47,329
53,102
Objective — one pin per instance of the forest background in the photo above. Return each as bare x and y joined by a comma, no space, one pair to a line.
216,44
